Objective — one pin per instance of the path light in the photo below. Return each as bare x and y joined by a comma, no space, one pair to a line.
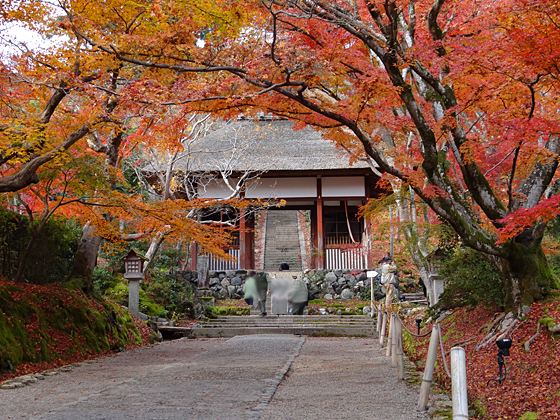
134,272
503,346
418,322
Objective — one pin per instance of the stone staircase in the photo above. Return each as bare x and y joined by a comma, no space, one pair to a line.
310,325
282,240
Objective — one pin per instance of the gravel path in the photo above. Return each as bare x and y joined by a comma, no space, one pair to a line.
239,378
342,378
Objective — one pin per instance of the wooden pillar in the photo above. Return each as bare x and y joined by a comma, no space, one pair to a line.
194,254
246,241
320,228
367,246
242,240
314,244
250,240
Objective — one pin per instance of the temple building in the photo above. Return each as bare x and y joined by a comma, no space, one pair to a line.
317,227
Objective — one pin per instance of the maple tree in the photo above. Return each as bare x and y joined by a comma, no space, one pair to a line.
441,95
59,188
453,101
56,99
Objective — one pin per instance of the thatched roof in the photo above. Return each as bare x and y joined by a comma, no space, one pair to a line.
265,145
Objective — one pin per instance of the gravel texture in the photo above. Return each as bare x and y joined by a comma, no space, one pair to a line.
342,378
256,377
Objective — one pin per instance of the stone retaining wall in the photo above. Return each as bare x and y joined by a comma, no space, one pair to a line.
321,284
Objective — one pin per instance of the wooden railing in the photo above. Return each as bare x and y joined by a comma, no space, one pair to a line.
218,264
348,258
338,240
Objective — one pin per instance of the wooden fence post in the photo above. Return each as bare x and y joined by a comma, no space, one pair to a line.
394,341
390,337
399,350
383,326
429,370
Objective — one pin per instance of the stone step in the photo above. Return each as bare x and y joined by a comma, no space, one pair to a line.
312,331
311,325
266,323
282,240
295,318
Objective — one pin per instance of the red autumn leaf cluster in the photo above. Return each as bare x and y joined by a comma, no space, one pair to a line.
533,378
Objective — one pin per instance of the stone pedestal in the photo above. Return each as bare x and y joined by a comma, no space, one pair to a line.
202,264
133,296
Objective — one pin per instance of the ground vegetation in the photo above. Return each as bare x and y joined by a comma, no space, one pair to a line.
45,326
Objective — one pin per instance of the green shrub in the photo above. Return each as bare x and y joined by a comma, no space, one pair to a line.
52,256
470,281
161,293
119,294
365,294
174,294
103,279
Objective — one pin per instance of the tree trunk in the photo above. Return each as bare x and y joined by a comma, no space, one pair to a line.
86,258
526,274
23,262
416,241
154,247
86,255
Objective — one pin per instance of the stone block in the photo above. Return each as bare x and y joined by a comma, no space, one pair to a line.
330,278
346,294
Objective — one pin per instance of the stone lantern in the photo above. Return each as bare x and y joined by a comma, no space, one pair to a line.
133,271
438,284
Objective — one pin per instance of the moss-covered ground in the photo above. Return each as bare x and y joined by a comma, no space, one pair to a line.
47,326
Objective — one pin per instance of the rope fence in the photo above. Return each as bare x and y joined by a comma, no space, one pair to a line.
392,339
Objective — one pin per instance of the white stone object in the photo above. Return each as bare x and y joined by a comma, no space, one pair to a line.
459,384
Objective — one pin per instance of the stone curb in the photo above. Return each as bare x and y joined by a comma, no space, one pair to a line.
21,381
268,394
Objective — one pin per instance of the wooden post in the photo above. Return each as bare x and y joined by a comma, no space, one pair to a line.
389,337
194,255
242,240
313,239
459,384
371,301
367,250
400,355
391,245
379,316
429,370
250,240
320,228
394,341
383,326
